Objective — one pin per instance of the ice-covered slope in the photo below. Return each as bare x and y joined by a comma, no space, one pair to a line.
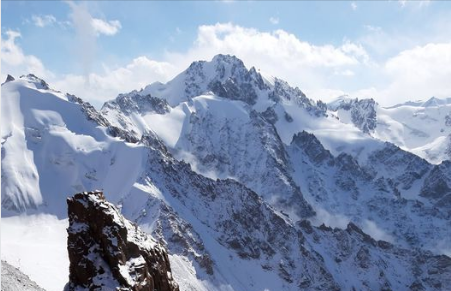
422,128
52,146
432,102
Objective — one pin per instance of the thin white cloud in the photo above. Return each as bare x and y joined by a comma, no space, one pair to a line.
274,20
43,20
105,86
278,53
354,6
15,62
85,36
278,46
418,4
375,232
330,220
419,73
322,71
87,29
347,73
106,27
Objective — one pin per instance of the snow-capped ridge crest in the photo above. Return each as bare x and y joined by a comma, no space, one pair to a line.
137,102
9,78
38,82
226,76
431,102
363,111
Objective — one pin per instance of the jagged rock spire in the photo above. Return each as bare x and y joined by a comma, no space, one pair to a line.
108,252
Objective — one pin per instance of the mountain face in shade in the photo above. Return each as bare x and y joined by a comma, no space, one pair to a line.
106,251
246,191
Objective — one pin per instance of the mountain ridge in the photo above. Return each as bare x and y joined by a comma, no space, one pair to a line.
243,194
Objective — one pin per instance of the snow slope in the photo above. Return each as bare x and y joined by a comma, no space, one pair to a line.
422,128
37,245
13,279
50,149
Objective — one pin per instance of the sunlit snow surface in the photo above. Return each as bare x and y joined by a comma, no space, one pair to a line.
37,245
421,130
417,127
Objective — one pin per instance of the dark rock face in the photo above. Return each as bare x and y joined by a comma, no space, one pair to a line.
447,118
108,252
437,185
239,83
270,115
312,147
363,113
403,167
9,78
135,102
40,83
93,115
283,91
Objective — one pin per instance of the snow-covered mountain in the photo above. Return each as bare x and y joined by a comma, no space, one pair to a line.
421,127
432,102
362,180
249,184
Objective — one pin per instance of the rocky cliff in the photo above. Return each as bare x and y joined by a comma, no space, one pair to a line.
109,252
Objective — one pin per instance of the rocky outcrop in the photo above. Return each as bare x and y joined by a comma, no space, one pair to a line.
136,102
312,147
13,279
93,115
363,112
39,83
437,186
108,252
9,78
378,190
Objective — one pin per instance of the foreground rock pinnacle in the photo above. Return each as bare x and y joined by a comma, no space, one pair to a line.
108,252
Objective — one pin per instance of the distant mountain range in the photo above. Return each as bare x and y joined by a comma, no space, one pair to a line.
432,102
422,128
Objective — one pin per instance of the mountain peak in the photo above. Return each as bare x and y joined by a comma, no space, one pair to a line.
228,59
38,82
9,78
434,102
431,102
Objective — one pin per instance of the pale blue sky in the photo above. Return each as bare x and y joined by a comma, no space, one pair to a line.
367,49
